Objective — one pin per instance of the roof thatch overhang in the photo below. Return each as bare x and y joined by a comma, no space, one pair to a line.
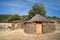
39,18
17,21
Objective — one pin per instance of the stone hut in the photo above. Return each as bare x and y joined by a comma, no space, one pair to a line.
39,25
17,24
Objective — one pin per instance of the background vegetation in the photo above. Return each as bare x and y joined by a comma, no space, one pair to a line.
14,17
36,9
4,17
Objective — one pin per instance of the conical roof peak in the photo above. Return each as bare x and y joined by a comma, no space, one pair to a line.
38,18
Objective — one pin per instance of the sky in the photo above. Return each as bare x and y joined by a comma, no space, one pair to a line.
22,7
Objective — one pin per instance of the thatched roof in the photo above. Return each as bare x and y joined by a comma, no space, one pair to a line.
39,18
17,21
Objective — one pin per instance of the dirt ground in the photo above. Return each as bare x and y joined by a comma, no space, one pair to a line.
20,35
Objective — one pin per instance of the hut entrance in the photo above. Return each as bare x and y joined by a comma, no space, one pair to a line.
39,28
16,25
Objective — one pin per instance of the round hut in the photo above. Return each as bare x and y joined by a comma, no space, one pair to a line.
39,25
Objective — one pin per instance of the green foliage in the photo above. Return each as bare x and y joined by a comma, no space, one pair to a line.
37,9
25,17
4,17
14,17
53,18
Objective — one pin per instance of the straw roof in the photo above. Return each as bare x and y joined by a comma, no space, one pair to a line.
39,18
17,21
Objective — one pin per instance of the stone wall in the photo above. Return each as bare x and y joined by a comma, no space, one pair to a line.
30,28
5,26
11,26
48,27
17,25
57,24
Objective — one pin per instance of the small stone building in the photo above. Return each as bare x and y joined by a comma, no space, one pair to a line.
17,24
39,25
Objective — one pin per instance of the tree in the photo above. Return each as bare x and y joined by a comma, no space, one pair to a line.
25,17
37,9
4,17
14,17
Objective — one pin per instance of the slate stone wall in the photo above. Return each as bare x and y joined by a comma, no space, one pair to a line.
48,27
30,28
19,25
57,26
4,26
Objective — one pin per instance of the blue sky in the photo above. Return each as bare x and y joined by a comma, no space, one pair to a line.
22,7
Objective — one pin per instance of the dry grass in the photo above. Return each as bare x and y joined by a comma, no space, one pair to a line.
14,35
20,35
